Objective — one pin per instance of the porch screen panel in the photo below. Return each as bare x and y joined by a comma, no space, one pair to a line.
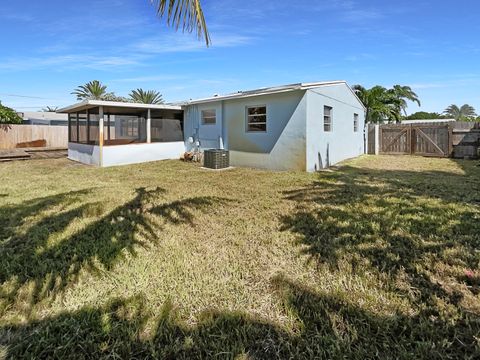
93,130
82,127
167,130
125,129
72,122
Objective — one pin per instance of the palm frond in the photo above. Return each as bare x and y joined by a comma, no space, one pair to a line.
187,14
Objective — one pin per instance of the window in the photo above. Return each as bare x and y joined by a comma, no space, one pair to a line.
327,118
355,122
257,118
209,117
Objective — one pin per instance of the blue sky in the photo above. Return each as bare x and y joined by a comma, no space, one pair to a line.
49,47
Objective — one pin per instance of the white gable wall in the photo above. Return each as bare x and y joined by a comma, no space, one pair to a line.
324,149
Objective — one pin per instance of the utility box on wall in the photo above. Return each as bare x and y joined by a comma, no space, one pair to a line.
216,159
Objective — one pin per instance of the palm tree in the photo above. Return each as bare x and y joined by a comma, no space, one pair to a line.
146,96
50,109
385,104
464,113
93,90
185,13
402,94
378,103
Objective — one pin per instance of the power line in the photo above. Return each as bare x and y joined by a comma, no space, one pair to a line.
26,96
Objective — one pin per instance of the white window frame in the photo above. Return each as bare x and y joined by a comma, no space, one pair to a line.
325,117
247,116
209,117
356,119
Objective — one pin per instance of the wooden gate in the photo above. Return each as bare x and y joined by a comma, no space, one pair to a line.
416,139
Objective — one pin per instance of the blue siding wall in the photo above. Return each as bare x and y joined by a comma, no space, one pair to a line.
328,148
282,146
295,138
208,135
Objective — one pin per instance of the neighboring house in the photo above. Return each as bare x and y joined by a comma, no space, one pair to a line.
43,118
305,127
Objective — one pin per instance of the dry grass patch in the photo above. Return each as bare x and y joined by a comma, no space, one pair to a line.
377,258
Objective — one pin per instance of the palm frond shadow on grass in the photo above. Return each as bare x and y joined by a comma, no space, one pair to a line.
330,326
394,225
27,257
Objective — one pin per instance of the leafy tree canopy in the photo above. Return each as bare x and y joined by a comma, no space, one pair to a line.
8,115
423,115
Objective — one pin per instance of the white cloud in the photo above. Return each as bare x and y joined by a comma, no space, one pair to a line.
61,62
153,78
173,43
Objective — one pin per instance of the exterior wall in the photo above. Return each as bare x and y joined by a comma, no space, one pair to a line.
87,154
208,135
324,149
282,146
139,153
125,154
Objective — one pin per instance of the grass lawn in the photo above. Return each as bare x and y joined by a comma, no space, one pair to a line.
378,258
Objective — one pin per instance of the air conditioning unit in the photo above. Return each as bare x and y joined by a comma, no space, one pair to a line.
216,159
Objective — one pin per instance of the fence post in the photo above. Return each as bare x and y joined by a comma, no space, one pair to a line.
377,139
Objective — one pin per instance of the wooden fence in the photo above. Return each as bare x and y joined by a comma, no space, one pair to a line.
425,140
11,135
456,139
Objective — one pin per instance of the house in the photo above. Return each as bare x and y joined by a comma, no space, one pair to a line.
305,127
43,118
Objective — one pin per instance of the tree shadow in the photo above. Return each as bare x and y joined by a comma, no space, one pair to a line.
38,255
418,228
328,326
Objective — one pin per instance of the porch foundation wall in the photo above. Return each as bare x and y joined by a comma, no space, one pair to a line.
86,154
139,153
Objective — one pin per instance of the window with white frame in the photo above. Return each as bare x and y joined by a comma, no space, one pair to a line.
257,118
355,122
327,118
209,117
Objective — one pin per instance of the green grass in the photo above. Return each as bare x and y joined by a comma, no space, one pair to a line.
377,258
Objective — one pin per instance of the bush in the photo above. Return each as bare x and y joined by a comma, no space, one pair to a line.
8,115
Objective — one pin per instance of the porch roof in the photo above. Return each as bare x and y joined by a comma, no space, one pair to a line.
89,104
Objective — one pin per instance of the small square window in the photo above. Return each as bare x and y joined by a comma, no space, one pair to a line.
209,117
257,118
327,118
355,122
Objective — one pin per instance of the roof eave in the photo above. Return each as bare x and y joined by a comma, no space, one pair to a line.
94,103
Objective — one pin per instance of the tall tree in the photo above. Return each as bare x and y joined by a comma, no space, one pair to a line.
404,94
93,90
146,96
187,14
384,104
378,102
50,109
463,113
8,115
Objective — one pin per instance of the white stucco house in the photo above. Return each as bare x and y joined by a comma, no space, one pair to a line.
305,127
